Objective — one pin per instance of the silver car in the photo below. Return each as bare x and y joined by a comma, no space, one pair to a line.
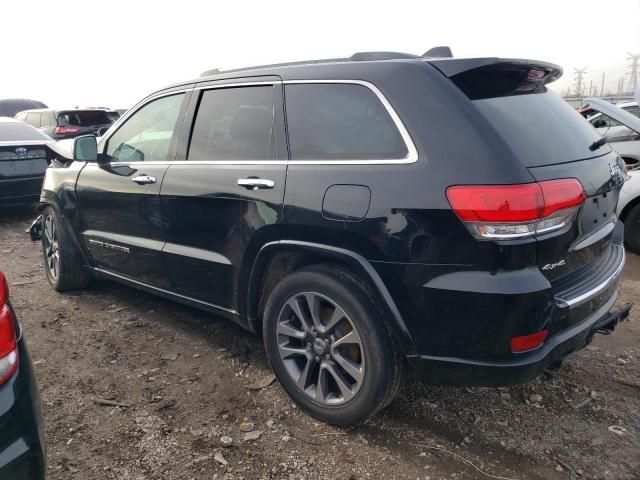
628,146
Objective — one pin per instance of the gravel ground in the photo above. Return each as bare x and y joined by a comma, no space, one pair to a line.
183,379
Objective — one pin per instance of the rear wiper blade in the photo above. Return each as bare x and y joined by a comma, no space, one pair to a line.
597,144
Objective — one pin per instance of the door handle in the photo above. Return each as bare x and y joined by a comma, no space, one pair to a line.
255,183
144,179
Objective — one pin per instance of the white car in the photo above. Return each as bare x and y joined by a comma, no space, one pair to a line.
628,146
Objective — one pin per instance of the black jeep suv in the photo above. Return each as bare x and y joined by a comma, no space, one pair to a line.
361,214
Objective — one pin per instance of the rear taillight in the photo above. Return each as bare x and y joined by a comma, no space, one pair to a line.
8,337
64,130
501,212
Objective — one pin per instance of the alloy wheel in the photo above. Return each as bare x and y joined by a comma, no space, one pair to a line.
51,247
320,348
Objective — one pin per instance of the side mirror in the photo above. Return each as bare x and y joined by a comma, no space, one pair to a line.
85,148
600,123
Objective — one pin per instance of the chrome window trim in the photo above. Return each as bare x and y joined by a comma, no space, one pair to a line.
142,103
412,152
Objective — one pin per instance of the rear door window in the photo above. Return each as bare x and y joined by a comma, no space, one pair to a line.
340,122
234,124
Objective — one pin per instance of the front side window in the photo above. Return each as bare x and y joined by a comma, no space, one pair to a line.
340,122
234,124
147,134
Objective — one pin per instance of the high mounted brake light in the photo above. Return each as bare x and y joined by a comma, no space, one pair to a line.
8,338
515,211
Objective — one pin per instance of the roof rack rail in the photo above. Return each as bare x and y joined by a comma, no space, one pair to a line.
438,52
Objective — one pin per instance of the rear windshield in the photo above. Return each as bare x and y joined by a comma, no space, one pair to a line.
84,118
19,132
541,128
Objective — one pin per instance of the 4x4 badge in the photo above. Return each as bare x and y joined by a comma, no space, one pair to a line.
551,266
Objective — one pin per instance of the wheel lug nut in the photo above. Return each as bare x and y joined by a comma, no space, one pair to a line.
308,346
327,357
317,358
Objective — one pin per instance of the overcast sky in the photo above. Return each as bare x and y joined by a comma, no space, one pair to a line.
113,53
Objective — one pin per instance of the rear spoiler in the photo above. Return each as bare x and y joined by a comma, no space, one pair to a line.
497,77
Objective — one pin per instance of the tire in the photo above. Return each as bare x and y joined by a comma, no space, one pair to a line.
350,343
632,229
63,262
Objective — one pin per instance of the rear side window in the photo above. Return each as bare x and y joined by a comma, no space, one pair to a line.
234,124
340,122
33,119
87,118
541,128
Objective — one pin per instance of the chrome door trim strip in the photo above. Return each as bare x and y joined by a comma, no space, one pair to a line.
572,302
193,252
412,155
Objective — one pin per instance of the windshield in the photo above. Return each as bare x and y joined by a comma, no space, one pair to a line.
541,129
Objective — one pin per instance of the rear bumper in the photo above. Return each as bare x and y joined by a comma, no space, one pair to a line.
20,191
22,444
523,367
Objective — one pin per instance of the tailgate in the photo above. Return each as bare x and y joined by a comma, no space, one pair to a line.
589,237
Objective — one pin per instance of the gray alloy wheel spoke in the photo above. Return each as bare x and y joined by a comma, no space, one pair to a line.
313,302
303,379
288,352
355,371
337,315
350,338
51,247
322,360
290,331
296,308
345,390
321,385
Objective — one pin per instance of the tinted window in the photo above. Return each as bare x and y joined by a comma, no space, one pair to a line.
33,119
147,134
541,129
633,111
17,132
234,124
86,118
340,122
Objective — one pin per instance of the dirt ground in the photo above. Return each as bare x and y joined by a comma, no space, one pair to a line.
183,377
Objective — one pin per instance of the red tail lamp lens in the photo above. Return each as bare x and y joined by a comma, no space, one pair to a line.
528,342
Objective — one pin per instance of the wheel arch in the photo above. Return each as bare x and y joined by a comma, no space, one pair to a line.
277,259
628,207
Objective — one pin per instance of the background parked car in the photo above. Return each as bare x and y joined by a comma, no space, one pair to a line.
24,158
629,148
60,124
10,106
609,127
22,444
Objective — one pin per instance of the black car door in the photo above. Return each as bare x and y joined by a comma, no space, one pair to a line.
118,196
226,199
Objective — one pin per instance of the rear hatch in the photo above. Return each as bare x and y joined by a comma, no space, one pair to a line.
23,159
72,123
554,142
